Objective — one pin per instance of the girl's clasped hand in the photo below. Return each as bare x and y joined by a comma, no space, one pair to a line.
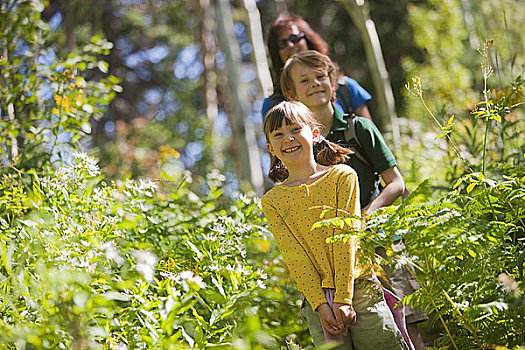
336,320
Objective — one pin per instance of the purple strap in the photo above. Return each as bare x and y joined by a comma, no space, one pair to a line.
399,315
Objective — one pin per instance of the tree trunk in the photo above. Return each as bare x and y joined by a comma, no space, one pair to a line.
69,26
209,50
374,56
466,5
259,51
243,135
13,142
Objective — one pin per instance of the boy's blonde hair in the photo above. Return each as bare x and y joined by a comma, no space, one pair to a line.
311,59
294,112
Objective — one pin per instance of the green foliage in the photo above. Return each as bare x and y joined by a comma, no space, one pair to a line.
440,32
89,265
467,241
174,264
448,33
466,248
45,106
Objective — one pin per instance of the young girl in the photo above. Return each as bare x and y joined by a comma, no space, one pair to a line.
342,302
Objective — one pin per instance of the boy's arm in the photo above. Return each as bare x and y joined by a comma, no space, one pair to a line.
394,187
383,162
298,263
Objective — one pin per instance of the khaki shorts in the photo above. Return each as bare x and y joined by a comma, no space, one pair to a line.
375,328
402,282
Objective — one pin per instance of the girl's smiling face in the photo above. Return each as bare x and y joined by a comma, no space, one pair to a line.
292,143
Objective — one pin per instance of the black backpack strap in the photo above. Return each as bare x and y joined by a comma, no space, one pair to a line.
353,141
344,99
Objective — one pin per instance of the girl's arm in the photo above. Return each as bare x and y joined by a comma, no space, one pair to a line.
345,252
299,264
345,314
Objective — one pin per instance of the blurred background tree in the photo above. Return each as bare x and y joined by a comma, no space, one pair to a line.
182,106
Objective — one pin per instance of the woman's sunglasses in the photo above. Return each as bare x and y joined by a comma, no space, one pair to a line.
294,38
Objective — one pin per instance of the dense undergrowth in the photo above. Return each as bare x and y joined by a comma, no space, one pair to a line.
87,263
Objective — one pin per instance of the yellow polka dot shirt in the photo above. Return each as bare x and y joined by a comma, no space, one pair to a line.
314,263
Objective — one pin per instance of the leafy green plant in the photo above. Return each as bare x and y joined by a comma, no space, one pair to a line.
95,265
467,246
46,102
466,240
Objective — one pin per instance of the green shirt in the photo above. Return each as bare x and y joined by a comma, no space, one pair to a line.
374,149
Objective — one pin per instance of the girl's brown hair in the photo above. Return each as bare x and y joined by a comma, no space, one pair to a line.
313,39
311,59
293,112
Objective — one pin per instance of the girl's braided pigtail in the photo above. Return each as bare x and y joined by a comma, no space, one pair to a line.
329,153
278,171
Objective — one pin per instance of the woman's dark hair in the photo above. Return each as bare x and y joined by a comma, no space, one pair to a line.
293,112
313,40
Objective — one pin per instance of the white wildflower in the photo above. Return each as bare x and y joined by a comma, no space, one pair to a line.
261,284
262,274
121,346
130,188
246,198
215,177
63,177
100,196
87,163
190,278
169,275
243,253
146,262
147,187
174,292
214,267
219,228
210,237
111,253
188,176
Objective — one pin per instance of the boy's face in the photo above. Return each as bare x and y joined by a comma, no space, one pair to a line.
312,85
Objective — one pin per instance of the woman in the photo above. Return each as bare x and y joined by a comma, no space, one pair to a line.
290,35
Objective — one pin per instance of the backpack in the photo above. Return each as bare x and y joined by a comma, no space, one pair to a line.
350,136
351,139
